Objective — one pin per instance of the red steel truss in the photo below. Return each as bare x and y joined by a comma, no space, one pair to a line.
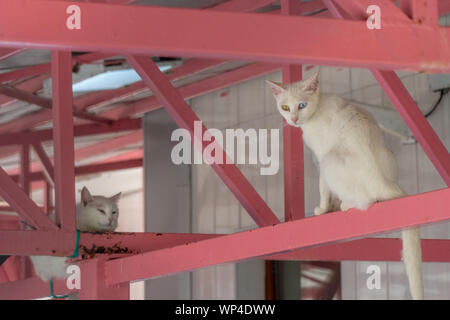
265,39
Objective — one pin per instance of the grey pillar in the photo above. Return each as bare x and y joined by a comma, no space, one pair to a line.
167,198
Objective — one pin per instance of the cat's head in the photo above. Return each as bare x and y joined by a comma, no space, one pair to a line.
297,101
99,213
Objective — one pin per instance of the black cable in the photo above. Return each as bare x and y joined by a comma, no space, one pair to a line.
438,102
3,259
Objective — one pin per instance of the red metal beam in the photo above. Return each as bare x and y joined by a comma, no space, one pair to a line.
330,228
91,151
123,161
46,164
294,193
444,7
183,115
5,53
242,6
415,120
24,176
23,205
45,68
31,85
404,103
93,286
12,268
369,249
139,242
108,145
190,67
266,37
63,141
39,136
25,72
48,242
98,99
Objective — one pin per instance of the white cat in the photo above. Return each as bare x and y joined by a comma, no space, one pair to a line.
354,163
94,214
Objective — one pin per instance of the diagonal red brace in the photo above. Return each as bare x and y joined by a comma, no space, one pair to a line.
183,115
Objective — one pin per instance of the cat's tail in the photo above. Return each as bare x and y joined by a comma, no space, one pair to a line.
412,251
412,258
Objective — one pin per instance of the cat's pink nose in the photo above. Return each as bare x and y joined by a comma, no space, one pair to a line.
294,119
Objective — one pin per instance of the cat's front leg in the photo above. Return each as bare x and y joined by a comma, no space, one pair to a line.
325,197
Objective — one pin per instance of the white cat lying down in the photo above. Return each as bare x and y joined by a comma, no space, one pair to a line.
354,162
94,214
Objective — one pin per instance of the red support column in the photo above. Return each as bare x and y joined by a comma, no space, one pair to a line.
294,194
183,115
46,164
24,177
64,170
48,198
93,284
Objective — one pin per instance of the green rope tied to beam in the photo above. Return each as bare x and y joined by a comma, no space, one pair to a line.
52,294
75,253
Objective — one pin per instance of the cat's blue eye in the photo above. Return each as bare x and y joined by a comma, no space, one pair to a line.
302,105
113,212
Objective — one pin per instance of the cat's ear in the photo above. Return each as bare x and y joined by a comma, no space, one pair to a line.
85,196
116,197
276,87
312,83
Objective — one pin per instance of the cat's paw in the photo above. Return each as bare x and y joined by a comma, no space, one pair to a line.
319,211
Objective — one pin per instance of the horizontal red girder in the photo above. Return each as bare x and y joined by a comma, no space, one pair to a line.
215,34
138,242
330,228
369,249
79,131
30,242
91,168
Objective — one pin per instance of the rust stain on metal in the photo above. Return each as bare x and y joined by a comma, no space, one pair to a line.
89,253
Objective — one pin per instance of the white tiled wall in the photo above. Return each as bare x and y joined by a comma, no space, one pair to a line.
251,104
